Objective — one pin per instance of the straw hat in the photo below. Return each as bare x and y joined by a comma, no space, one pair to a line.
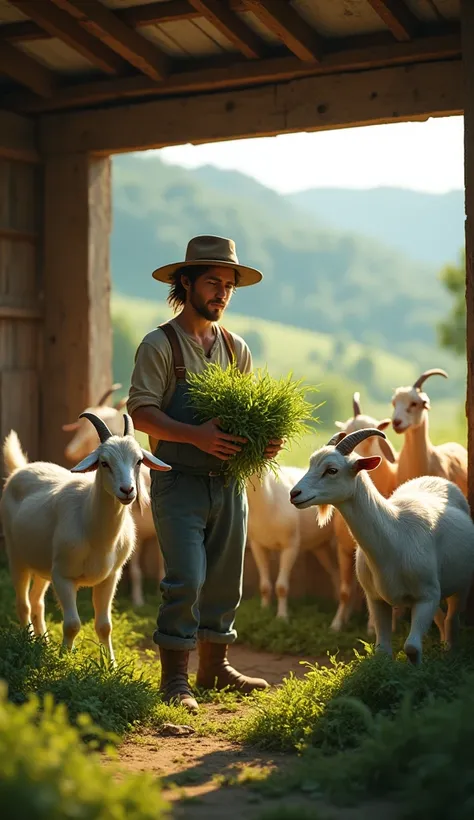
210,250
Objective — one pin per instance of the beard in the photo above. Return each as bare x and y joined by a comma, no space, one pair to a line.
207,310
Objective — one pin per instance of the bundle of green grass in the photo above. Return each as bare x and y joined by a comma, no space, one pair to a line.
255,406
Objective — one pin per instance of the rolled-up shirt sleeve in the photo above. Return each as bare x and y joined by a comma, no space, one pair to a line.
149,378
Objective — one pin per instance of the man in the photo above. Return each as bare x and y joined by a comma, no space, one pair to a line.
201,524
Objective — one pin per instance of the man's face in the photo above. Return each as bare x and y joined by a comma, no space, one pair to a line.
210,293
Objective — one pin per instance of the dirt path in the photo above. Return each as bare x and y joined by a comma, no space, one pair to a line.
199,773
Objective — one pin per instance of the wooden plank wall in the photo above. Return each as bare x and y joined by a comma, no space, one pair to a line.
20,314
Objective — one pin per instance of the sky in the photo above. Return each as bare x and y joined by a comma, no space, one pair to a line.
422,156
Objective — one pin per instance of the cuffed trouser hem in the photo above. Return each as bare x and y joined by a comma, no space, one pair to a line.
173,641
217,637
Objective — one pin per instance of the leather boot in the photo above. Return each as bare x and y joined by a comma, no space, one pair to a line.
214,670
174,678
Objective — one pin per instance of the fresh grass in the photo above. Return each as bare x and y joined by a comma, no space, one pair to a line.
46,773
252,405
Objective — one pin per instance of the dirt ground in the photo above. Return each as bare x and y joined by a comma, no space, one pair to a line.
194,769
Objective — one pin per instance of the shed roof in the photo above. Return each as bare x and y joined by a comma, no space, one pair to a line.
64,54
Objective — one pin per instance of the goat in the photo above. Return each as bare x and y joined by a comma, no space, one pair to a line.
414,549
71,529
273,524
385,479
84,440
418,455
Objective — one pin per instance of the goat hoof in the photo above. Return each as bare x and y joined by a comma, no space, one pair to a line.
413,654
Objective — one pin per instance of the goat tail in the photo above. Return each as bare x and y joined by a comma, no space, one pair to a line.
13,455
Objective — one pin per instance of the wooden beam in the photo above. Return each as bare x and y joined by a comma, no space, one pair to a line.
282,19
24,70
18,137
467,29
310,104
397,16
242,73
99,21
231,26
59,24
76,284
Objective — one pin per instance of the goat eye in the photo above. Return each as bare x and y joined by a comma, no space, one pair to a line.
139,462
331,470
104,464
413,404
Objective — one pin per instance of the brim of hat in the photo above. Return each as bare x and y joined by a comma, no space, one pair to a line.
248,276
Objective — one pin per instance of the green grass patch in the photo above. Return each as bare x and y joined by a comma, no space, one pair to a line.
47,774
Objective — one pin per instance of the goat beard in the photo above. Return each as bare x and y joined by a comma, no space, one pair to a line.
324,514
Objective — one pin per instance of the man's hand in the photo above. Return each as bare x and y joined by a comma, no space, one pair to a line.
210,439
273,447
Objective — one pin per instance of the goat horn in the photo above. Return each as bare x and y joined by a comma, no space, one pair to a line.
353,439
108,393
102,430
356,404
336,438
435,372
128,428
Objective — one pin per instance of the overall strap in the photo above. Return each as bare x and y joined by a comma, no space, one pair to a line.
176,351
229,343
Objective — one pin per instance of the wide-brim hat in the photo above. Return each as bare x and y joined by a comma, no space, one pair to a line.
210,250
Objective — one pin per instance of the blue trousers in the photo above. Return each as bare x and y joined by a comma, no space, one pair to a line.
201,527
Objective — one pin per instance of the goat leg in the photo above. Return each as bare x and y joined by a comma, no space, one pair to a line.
422,615
102,598
381,615
66,592
288,557
260,556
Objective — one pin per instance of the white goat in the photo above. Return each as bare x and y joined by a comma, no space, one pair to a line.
73,530
418,455
274,524
84,440
414,549
385,479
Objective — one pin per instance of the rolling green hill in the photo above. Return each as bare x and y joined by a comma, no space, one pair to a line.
316,278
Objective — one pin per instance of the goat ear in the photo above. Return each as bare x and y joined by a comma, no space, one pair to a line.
154,463
382,425
340,425
143,496
68,428
369,463
387,449
88,464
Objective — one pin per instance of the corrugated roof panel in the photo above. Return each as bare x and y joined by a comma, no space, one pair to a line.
432,11
192,38
10,14
157,35
58,56
339,18
222,43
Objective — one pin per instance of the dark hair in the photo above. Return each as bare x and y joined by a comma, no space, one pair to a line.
177,295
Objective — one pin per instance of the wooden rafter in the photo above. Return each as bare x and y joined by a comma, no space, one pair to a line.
107,27
231,26
397,16
202,77
286,23
309,104
22,68
59,24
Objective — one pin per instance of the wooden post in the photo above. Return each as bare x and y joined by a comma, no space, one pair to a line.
76,293
467,30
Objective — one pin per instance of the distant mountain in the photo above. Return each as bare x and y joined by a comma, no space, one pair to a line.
328,279
427,227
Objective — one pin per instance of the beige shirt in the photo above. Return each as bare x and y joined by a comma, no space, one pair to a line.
153,381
